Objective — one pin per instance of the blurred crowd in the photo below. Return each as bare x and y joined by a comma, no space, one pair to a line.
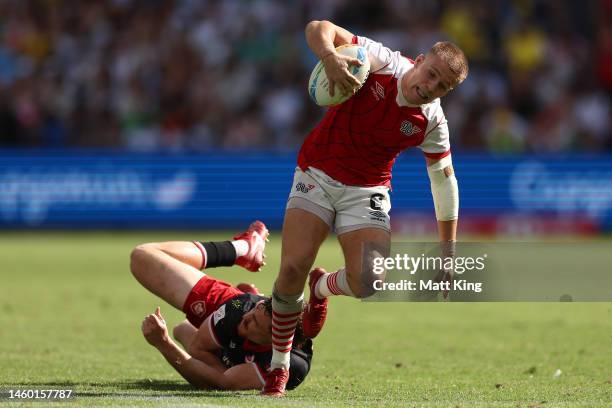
232,74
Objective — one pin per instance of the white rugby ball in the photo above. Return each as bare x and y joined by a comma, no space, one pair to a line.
318,85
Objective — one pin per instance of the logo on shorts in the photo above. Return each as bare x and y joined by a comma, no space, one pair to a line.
303,187
378,216
236,303
376,204
408,128
376,200
198,308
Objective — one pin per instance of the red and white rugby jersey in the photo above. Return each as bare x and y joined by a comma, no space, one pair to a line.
358,141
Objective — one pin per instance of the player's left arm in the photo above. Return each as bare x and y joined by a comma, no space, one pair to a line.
445,192
444,187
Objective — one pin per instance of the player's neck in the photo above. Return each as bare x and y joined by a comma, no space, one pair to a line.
404,89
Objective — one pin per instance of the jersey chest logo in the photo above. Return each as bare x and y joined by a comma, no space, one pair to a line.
408,128
378,91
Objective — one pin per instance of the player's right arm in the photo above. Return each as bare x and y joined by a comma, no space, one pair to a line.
206,376
197,372
323,37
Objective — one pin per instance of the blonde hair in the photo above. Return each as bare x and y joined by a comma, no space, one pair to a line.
454,57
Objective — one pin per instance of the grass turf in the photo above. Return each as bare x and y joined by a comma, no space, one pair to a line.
70,315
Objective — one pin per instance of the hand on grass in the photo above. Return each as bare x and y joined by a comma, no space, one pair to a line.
154,329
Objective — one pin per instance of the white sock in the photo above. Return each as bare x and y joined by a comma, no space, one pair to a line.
241,247
333,284
280,359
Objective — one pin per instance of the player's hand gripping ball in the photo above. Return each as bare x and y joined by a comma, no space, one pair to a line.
318,86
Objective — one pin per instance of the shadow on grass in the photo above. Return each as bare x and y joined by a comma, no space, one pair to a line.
121,389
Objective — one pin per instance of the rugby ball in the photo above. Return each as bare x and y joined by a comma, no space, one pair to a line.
318,85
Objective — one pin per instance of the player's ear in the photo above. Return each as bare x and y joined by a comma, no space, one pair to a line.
419,60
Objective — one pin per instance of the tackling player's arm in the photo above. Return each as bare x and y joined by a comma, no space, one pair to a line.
202,375
323,37
196,372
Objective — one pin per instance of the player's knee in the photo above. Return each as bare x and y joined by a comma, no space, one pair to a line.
292,273
138,257
179,332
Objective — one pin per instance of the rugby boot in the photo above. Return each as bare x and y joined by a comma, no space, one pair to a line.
315,312
276,381
256,236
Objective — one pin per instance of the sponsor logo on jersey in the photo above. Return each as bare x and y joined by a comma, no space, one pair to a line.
408,128
303,187
198,308
232,345
219,314
237,303
378,91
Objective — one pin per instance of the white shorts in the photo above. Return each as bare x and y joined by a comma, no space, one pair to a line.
346,208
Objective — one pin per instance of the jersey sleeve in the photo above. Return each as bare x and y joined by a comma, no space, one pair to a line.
382,59
436,143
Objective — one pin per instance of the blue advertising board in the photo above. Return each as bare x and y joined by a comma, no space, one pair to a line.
100,189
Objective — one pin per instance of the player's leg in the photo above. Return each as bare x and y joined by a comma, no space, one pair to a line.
363,227
171,269
360,248
184,333
167,269
308,219
303,234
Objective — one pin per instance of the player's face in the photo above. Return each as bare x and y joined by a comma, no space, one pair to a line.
430,78
256,325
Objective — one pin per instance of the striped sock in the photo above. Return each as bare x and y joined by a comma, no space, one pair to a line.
333,284
285,314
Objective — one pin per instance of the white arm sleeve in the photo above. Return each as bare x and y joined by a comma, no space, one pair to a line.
444,189
382,59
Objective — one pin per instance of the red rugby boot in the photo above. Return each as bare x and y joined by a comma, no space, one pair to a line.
315,312
248,288
276,381
256,236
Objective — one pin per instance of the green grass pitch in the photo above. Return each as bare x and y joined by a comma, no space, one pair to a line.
70,315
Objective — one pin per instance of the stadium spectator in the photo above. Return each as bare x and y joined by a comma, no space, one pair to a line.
197,75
